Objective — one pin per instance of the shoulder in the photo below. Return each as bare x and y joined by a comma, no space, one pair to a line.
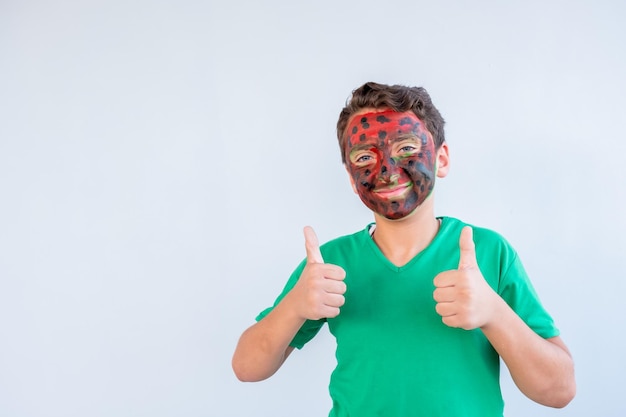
345,243
482,235
346,240
491,246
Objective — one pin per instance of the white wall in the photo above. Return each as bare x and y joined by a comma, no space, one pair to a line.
158,161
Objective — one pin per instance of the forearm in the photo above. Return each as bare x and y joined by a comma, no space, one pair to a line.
542,368
318,294
264,346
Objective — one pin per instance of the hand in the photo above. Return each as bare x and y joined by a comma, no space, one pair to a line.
319,291
464,299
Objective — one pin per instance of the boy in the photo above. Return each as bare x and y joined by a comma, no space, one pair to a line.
422,307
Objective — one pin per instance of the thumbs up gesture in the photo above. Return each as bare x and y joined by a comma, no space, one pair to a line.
319,291
464,299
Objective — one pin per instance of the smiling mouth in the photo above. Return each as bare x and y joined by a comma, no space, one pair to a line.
395,191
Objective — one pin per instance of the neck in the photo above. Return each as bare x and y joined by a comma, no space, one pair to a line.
401,240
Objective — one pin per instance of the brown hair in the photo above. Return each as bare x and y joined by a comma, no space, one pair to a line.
398,98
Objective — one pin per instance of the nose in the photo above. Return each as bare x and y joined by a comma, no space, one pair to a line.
388,172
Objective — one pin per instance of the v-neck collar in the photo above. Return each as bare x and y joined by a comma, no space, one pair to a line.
368,232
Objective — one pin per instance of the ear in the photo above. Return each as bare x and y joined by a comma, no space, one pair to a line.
443,160
351,180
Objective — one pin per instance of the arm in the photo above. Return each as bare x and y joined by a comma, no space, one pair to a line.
543,369
264,347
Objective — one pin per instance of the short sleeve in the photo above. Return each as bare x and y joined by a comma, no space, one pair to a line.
310,327
517,290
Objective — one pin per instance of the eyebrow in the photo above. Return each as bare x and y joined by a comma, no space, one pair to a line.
368,146
361,147
406,136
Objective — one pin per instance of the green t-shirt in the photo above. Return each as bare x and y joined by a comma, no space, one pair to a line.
395,357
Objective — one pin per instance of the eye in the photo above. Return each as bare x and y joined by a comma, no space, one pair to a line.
363,157
406,149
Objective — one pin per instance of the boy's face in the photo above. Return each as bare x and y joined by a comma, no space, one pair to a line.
391,158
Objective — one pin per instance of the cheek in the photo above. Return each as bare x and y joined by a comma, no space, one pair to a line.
426,157
420,165
363,177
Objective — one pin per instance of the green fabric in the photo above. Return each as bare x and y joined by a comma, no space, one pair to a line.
395,357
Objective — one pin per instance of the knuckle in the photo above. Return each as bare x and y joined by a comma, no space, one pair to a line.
438,308
333,312
341,301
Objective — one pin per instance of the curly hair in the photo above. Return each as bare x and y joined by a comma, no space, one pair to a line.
399,98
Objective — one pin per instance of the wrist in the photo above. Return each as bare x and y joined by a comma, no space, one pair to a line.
498,309
290,309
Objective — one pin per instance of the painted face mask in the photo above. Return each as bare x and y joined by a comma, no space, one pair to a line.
391,158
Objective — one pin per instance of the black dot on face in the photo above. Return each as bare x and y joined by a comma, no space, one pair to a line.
363,119
354,130
411,199
411,163
365,125
395,205
367,172
382,134
382,119
406,121
362,137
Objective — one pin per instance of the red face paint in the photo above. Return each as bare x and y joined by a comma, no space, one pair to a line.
391,157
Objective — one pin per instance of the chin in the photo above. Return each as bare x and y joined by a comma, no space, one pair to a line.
398,217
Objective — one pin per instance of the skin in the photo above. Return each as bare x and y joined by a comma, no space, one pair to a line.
391,159
264,346
543,369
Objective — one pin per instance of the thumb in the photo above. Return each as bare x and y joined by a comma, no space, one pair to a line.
468,250
312,246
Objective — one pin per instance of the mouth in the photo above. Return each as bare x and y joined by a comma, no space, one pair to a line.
394,191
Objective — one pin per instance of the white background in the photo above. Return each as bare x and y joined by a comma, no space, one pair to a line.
158,161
